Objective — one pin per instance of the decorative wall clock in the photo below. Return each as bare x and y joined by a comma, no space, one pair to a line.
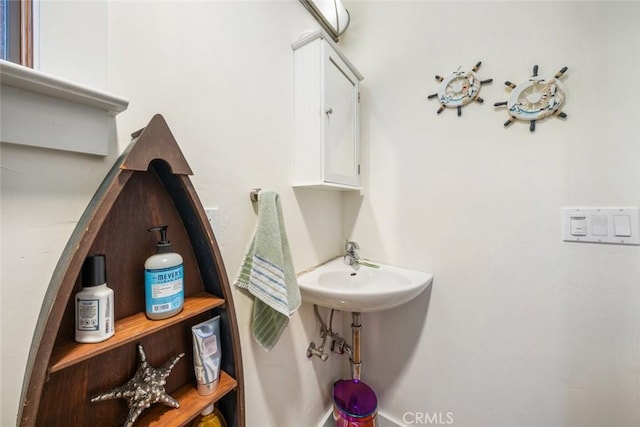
535,98
459,89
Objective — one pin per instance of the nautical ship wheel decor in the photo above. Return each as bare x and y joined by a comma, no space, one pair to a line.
535,99
459,89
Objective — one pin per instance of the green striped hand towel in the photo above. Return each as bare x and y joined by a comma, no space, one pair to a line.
267,273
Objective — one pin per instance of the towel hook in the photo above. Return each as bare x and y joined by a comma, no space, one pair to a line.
253,194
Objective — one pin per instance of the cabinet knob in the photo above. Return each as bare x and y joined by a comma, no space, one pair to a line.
329,111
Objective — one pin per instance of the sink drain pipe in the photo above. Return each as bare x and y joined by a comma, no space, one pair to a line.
356,362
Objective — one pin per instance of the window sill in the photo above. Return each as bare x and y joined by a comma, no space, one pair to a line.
46,111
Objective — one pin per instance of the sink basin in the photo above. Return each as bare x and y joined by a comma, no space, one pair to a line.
361,289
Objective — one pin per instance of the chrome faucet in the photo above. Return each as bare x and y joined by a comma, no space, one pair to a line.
350,256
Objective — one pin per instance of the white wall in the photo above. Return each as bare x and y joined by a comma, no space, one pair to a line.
520,329
79,53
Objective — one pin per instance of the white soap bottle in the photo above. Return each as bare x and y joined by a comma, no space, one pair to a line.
163,280
94,303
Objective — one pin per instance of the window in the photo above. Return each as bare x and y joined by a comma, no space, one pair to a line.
16,24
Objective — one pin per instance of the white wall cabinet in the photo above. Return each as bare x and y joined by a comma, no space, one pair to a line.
327,129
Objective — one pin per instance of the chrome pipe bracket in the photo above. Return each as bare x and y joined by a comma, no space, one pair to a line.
253,194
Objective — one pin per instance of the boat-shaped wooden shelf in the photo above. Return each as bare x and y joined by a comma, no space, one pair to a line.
148,185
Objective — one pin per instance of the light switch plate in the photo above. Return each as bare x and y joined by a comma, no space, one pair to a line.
213,215
603,225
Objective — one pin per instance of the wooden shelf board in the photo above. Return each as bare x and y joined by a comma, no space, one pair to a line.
130,329
191,404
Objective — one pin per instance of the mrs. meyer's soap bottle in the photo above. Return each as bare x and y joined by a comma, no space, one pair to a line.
163,275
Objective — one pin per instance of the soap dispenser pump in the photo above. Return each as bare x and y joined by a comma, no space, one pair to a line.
163,279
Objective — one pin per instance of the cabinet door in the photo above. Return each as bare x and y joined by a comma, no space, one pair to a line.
341,130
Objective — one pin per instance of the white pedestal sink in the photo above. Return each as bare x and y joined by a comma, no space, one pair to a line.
360,288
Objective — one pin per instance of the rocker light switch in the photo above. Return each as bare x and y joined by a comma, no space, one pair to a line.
622,225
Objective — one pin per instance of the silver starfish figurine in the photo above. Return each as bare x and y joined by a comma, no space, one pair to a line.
144,389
